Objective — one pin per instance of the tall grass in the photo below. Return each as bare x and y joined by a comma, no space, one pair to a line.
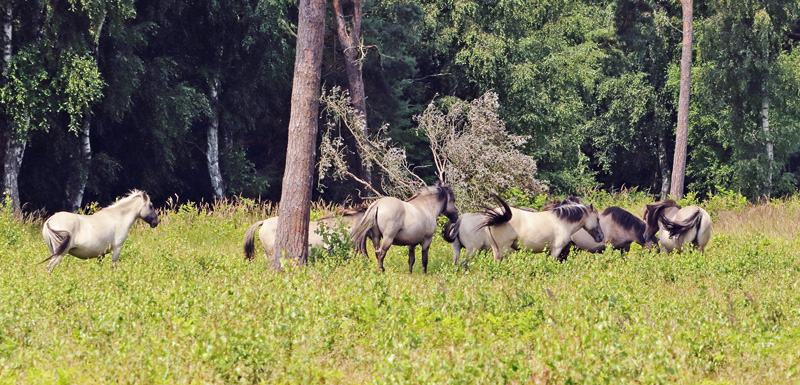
184,306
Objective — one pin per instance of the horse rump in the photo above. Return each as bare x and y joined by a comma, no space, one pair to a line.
678,228
63,237
361,229
450,231
494,217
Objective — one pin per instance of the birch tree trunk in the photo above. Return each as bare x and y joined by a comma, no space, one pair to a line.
679,160
768,139
663,166
212,136
294,209
15,144
81,176
349,37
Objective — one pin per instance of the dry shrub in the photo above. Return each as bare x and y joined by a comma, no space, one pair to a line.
474,153
469,143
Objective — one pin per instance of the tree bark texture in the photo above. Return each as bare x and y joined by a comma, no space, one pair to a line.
81,175
15,149
679,160
212,138
663,166
768,140
350,39
295,204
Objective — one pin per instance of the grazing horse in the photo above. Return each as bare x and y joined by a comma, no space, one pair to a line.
620,227
467,233
408,223
269,229
539,230
92,236
677,226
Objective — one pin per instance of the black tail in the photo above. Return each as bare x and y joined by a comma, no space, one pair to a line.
677,229
450,231
65,238
493,217
249,240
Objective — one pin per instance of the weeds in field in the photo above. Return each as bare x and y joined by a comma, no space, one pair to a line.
184,307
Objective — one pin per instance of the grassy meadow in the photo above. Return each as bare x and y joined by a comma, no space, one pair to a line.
184,307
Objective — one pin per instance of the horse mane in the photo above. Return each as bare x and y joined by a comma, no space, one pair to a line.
656,211
625,219
131,196
570,200
442,191
571,213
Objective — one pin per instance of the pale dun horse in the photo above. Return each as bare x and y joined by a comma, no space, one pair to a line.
467,233
537,231
269,230
408,223
93,236
678,226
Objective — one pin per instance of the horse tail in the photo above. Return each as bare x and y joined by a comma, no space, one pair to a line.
493,217
249,240
64,237
678,228
450,231
362,227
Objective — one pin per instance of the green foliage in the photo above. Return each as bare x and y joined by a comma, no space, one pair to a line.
339,246
82,85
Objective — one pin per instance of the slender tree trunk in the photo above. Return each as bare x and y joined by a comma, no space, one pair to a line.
15,145
212,151
81,176
768,139
15,149
679,160
349,37
294,209
663,166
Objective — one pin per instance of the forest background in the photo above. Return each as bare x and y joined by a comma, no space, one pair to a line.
102,96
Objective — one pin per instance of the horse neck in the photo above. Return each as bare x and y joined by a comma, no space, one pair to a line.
572,227
127,211
428,204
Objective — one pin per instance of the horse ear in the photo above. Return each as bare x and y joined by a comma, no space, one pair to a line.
145,196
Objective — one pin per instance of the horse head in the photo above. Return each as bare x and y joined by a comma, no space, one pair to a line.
592,224
448,199
148,212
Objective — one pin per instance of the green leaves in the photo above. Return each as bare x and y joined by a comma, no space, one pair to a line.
82,85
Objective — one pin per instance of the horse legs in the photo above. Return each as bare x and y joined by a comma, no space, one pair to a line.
426,244
380,253
456,251
411,258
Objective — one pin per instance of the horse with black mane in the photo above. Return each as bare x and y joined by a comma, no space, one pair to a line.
407,223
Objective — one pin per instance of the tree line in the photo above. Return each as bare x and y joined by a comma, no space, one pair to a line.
193,98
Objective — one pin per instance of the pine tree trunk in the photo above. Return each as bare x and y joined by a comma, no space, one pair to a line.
294,209
349,37
679,160
212,150
768,139
81,176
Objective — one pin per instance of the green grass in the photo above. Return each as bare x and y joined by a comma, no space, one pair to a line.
184,307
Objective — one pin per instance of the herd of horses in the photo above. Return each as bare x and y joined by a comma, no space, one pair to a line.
390,221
